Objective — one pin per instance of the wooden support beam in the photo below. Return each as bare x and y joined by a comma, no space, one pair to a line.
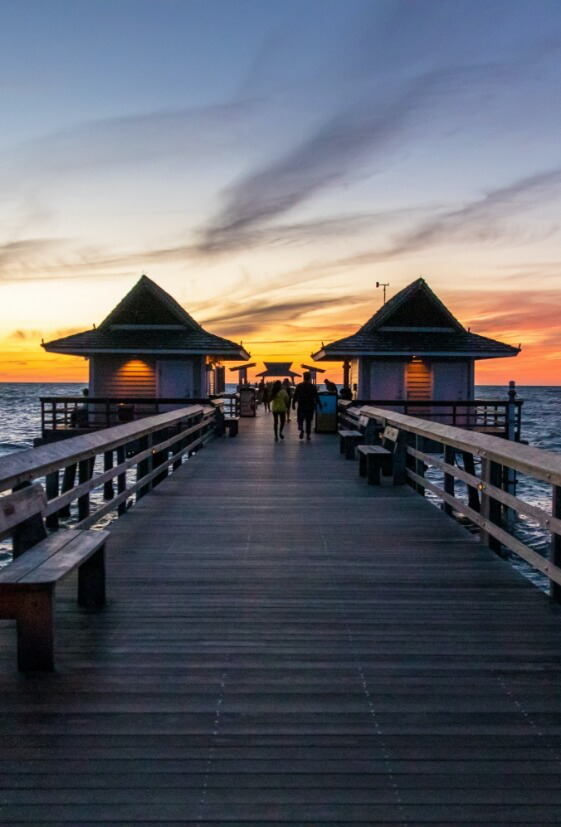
449,479
108,487
491,474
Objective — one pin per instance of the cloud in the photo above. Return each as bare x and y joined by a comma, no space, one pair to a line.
129,138
481,220
324,158
23,335
373,121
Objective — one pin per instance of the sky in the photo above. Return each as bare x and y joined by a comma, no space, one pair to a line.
268,162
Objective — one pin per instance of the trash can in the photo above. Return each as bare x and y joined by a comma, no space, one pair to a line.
247,401
326,417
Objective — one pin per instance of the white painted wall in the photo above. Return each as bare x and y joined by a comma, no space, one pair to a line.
451,380
175,377
387,380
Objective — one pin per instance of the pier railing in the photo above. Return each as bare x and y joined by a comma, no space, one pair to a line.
231,402
501,417
490,500
86,413
89,476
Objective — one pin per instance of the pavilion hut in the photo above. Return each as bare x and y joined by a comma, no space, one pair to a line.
278,370
242,370
412,348
149,346
313,370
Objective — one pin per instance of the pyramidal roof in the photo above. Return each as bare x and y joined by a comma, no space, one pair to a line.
414,306
414,322
148,320
147,304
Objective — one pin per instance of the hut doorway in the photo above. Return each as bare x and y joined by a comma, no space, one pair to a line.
418,380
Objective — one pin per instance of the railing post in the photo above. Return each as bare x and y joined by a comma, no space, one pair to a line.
491,473
158,457
449,479
121,479
555,588
51,489
108,488
144,466
178,446
469,467
85,472
400,460
68,482
420,466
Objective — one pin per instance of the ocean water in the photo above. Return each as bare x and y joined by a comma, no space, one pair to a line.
20,422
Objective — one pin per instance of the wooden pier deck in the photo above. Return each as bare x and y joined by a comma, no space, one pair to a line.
285,645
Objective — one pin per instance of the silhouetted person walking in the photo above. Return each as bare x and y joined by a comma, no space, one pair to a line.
279,402
305,400
286,386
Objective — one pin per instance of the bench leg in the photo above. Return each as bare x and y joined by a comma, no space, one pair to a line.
373,469
91,580
35,631
387,467
341,444
362,464
350,448
234,428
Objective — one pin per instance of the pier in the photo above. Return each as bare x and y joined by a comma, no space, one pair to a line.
285,644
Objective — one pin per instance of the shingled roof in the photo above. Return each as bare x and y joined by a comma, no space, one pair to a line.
414,323
148,320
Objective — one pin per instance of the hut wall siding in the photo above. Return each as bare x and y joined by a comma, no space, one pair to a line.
122,376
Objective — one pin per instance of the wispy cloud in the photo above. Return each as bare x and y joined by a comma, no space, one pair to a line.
481,221
118,140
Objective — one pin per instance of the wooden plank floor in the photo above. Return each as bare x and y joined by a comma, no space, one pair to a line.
286,645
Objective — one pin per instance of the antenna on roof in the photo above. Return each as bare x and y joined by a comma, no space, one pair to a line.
384,285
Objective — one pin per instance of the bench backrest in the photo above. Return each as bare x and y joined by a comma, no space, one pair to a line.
21,516
390,434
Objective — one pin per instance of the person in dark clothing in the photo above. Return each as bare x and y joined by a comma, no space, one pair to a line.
305,400
346,393
330,386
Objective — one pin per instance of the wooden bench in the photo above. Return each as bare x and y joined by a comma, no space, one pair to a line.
232,425
373,459
350,438
27,584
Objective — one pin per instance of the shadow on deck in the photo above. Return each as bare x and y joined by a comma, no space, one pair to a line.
285,645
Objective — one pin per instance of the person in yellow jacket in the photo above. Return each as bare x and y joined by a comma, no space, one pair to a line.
279,406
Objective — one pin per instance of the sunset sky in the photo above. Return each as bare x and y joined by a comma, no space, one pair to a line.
268,161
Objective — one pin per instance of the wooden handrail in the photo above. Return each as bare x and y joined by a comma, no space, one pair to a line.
153,444
538,463
493,486
35,462
102,411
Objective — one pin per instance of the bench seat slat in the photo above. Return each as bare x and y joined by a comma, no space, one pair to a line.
373,449
35,557
345,433
57,566
36,565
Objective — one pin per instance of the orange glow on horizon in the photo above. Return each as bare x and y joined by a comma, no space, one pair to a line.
535,323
